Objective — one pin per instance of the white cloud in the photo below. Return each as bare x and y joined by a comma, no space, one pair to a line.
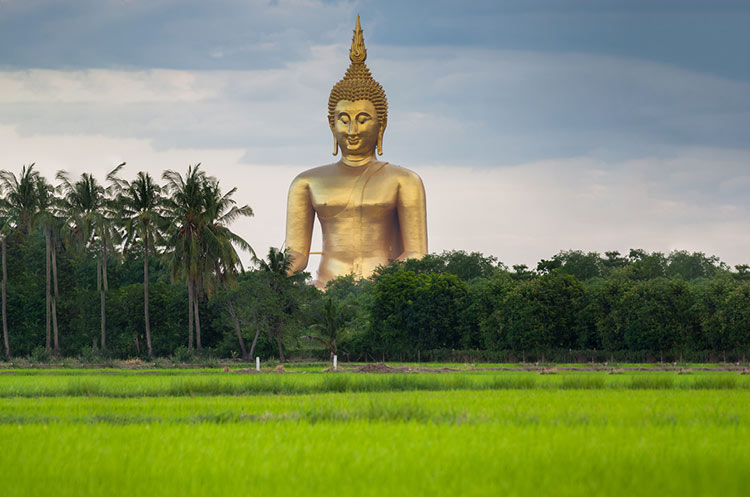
262,187
113,88
528,212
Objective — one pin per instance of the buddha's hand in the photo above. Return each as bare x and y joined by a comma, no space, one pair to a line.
410,255
298,261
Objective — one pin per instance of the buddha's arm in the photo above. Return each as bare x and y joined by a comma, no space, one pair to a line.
299,223
412,216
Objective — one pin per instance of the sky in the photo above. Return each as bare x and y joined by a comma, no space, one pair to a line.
536,125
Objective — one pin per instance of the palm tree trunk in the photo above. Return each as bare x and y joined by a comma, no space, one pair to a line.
103,305
255,340
281,349
257,334
190,312
197,321
55,295
145,300
6,341
238,330
103,298
104,267
276,333
48,294
233,314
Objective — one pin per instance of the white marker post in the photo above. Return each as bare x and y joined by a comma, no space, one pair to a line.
335,362
257,363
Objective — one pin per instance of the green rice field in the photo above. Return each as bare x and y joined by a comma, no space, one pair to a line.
82,432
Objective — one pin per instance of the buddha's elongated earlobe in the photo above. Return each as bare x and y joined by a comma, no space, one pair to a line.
335,145
380,141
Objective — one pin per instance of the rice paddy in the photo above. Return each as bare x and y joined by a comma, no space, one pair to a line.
465,433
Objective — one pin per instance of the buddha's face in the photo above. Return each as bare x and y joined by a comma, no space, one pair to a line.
356,127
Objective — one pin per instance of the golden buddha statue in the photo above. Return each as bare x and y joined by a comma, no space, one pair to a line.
370,212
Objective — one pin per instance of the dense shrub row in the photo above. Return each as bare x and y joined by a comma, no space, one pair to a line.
449,307
646,307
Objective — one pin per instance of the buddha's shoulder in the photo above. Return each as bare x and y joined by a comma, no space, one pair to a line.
334,170
402,173
315,173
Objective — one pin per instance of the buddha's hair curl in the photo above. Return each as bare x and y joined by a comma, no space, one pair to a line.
358,84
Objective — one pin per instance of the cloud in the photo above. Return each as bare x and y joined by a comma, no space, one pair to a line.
97,86
173,34
479,108
256,34
529,212
263,187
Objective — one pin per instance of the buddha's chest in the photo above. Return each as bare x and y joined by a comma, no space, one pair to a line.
367,197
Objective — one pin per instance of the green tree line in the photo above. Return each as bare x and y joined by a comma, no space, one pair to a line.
575,306
147,267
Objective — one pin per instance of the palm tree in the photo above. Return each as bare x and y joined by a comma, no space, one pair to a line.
88,211
18,210
139,203
45,217
332,321
20,192
277,269
5,229
200,245
220,241
185,210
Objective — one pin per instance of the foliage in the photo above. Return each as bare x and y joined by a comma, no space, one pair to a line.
539,314
466,266
416,311
330,324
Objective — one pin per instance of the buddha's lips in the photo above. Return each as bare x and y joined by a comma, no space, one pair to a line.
352,141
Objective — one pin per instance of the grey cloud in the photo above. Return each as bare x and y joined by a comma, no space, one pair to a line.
698,35
231,34
192,34
479,108
516,106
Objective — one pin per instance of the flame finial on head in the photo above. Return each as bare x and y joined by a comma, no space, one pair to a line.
358,53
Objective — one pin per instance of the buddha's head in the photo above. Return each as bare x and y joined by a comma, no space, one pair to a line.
357,106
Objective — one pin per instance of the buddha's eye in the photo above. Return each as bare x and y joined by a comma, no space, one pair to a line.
344,118
363,118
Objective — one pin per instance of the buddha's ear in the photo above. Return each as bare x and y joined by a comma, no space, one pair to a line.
335,142
380,140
